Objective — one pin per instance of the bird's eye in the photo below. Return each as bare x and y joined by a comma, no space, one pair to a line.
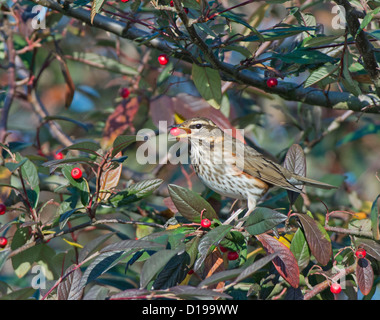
198,126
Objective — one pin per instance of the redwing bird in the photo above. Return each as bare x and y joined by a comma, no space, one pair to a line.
233,169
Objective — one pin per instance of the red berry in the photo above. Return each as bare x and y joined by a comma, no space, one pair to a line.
232,255
163,59
205,223
58,156
272,82
3,242
186,10
191,271
76,173
175,131
124,93
223,249
335,288
124,0
361,253
3,208
171,3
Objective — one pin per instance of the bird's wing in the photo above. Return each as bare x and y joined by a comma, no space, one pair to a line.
268,171
257,166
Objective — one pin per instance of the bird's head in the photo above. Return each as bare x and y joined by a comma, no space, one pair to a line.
198,128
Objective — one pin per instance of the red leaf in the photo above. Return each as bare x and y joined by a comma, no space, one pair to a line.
120,120
285,262
364,276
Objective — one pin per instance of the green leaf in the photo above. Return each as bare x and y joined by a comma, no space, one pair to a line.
190,204
367,19
31,179
29,172
235,18
102,62
13,166
350,84
21,294
239,273
317,238
208,83
212,238
370,128
54,164
3,257
234,241
102,263
154,265
81,184
76,122
277,33
173,272
23,262
93,245
64,217
263,219
189,292
121,142
85,146
304,56
126,245
375,212
300,249
319,40
135,192
321,76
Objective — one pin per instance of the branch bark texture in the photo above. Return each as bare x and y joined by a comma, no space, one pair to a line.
286,90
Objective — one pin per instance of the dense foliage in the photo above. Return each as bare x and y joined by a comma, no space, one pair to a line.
92,204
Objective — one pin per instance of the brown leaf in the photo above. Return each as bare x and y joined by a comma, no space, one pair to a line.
319,244
110,179
295,160
119,121
170,204
70,288
364,276
285,262
69,83
213,264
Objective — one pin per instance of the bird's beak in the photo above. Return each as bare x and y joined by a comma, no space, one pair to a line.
184,134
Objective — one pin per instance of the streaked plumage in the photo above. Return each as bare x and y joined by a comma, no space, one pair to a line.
233,169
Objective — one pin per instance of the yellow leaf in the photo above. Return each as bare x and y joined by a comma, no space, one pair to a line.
178,118
286,239
359,215
175,226
186,280
74,244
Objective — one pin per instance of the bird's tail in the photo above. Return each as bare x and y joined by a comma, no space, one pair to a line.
314,183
